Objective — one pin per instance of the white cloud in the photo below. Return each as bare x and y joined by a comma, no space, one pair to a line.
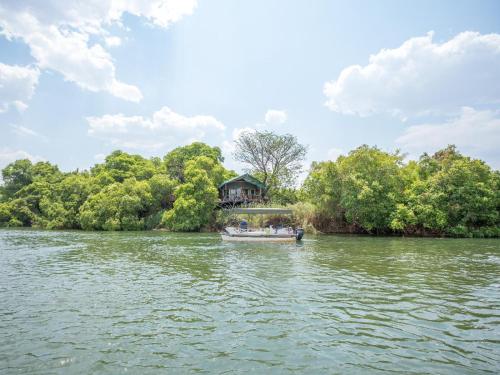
113,41
421,76
237,132
228,146
475,133
161,13
272,119
165,129
17,85
58,33
275,117
8,155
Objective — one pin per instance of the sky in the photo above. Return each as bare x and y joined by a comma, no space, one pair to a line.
81,79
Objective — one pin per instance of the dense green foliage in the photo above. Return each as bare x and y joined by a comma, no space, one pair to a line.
367,191
197,197
374,191
119,206
125,192
175,161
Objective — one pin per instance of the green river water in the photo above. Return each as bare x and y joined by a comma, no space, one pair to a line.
162,303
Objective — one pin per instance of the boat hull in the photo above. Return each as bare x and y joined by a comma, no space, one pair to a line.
269,238
261,235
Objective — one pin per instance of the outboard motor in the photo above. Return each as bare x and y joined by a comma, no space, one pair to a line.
299,233
243,226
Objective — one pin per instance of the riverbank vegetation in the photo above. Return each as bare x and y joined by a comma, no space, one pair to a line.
125,192
366,191
373,191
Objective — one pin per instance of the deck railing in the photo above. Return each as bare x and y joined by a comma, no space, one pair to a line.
242,198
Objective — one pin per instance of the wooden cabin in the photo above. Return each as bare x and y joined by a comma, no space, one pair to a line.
241,189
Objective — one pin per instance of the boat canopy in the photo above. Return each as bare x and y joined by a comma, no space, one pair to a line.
261,211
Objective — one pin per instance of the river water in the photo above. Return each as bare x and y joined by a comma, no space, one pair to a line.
158,303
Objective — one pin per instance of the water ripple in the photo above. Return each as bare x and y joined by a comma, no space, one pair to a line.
151,303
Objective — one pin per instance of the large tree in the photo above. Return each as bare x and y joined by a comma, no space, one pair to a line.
175,161
17,175
197,197
371,187
276,159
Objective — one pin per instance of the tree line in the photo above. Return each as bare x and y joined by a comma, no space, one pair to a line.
366,191
125,192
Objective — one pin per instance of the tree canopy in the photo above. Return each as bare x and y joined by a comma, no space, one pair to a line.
197,197
175,161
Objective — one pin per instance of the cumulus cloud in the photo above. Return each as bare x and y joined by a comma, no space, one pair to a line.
421,77
59,35
475,133
161,13
275,117
17,85
272,118
113,41
164,129
228,146
237,132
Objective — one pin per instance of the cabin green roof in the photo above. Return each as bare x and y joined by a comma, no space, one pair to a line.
245,177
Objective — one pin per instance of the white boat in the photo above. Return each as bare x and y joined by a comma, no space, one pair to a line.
270,234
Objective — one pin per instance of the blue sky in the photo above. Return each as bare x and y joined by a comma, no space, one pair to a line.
78,81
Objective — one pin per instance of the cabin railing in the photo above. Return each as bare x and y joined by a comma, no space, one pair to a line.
241,198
